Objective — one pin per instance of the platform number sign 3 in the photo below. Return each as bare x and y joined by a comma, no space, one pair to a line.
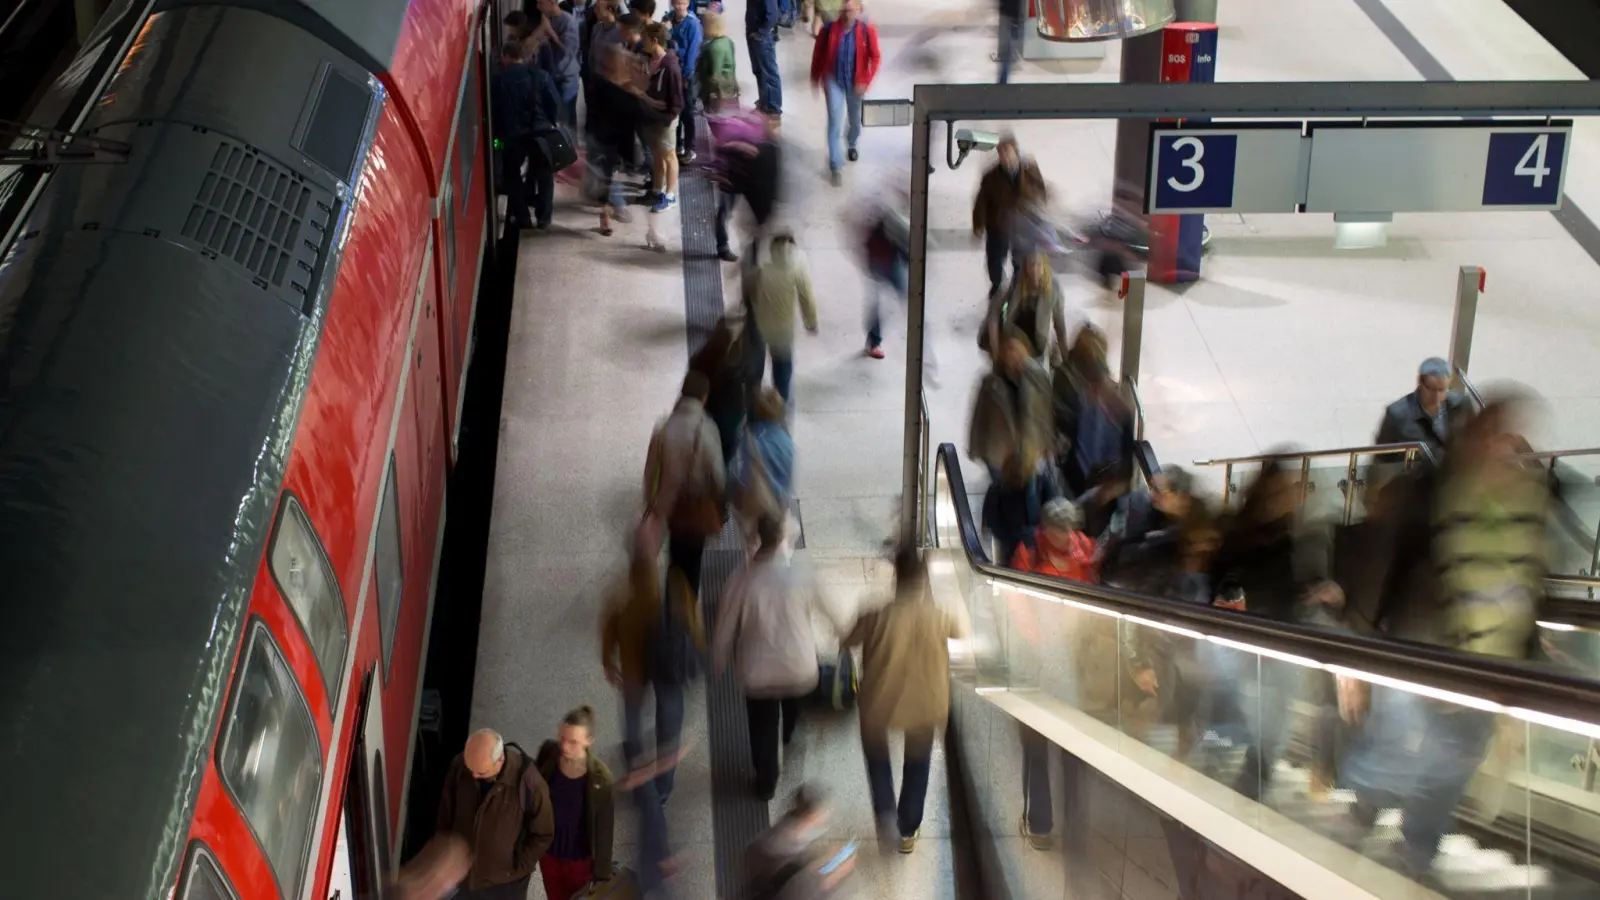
1524,168
1195,171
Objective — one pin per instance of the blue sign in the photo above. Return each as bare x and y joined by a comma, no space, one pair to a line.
1524,168
1194,171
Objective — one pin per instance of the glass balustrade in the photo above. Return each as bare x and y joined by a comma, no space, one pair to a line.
1358,754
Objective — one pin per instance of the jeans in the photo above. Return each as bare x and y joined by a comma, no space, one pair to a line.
1423,753
604,160
569,107
913,777
512,158
843,103
782,370
542,184
893,277
686,123
996,247
654,843
1011,514
763,46
724,210
1010,45
765,716
669,725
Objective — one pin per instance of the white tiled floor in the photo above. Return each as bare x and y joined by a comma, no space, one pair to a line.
1283,341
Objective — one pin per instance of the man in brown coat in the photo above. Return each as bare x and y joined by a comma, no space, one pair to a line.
494,798
906,688
1012,184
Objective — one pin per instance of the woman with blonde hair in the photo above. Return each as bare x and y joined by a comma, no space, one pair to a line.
716,73
1036,306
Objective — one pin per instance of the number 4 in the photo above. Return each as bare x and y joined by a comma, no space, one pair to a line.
1532,162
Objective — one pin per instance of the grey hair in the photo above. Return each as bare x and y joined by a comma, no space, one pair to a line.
1434,367
499,743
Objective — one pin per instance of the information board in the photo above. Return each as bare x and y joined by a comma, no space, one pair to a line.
1444,167
1238,168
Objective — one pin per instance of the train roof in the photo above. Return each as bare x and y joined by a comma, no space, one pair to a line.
158,323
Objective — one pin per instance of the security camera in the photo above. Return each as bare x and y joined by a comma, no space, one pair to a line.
981,141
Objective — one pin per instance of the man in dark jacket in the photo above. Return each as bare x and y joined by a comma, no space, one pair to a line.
494,799
544,114
1429,415
761,32
1012,184
512,103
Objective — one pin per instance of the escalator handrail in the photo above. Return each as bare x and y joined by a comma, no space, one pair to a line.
1420,448
1509,683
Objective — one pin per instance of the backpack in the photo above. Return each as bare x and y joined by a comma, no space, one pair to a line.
672,654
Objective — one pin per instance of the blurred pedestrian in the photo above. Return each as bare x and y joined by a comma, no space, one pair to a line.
560,55
436,872
687,37
1011,433
778,284
762,475
1036,305
905,687
787,861
1012,185
686,478
716,72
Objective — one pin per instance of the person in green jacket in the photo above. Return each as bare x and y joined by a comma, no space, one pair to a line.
716,71
583,807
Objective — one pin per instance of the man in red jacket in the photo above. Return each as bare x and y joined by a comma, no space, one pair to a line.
843,63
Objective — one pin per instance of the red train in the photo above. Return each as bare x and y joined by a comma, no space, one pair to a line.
231,367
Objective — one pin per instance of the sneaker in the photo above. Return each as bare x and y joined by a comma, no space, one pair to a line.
908,844
875,352
656,244
664,203
852,155
726,254
622,215
686,157
836,177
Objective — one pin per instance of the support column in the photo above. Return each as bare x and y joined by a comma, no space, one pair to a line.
916,305
1470,281
1132,295
1141,64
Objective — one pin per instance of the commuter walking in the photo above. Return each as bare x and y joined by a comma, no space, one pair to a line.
1013,15
1429,415
648,639
1097,423
687,37
494,799
513,99
435,873
560,55
906,688
1011,433
763,630
716,70
844,61
1013,184
752,169
779,287
787,861
763,469
582,806
613,113
1036,305
761,33
685,478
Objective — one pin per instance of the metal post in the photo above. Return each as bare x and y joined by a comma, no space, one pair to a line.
1469,284
1132,295
1350,487
916,295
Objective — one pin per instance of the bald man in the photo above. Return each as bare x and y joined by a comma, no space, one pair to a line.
495,800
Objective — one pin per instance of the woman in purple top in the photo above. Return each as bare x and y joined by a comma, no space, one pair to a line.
582,801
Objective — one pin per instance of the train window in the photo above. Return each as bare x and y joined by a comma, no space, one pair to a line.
202,879
391,572
306,581
467,128
271,758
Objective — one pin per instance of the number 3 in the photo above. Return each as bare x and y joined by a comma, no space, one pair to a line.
1531,164
1193,164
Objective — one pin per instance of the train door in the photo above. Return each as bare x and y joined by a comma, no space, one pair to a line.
361,861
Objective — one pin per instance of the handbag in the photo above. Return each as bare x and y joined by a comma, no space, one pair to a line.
555,148
698,514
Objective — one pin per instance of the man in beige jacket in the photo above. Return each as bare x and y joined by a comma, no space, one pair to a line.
906,687
778,282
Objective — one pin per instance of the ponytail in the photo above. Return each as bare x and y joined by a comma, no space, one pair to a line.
582,717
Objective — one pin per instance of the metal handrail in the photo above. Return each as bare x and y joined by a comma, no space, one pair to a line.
1512,684
1561,454
925,464
1469,387
1138,407
1374,450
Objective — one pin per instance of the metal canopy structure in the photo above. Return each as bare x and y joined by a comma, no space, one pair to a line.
1249,100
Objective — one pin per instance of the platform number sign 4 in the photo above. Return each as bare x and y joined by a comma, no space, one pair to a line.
1195,171
1524,168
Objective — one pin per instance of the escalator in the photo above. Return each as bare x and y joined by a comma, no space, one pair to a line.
1176,793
